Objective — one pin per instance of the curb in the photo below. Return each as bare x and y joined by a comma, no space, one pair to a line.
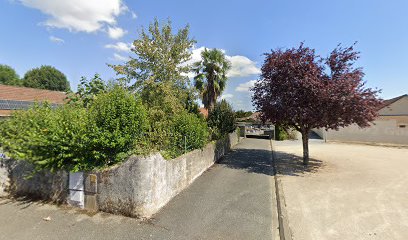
284,230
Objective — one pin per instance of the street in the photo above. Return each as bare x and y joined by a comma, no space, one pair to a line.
234,199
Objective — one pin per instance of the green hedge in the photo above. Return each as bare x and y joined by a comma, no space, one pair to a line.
189,132
75,138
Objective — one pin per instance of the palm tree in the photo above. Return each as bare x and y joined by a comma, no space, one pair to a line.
211,75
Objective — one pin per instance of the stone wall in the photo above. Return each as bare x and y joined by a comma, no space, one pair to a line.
140,186
17,179
4,177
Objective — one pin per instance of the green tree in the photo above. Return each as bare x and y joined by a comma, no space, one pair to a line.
211,75
243,114
159,70
8,76
221,119
46,77
158,73
88,89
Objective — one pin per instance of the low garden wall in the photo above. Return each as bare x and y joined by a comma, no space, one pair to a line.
142,185
138,187
17,179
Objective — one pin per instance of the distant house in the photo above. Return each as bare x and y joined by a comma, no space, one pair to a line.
204,112
254,118
391,126
396,109
14,98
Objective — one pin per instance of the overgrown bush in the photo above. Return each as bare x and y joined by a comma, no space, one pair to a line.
188,132
280,133
221,119
52,139
75,138
118,122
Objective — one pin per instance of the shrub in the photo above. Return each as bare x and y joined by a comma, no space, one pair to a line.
74,138
118,122
52,139
280,133
221,119
188,132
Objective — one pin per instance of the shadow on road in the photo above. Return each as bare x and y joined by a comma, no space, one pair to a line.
250,160
292,165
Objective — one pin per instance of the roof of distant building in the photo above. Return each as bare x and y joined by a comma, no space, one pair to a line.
388,102
14,98
204,112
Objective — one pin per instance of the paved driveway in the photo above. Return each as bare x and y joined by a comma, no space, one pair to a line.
232,200
348,192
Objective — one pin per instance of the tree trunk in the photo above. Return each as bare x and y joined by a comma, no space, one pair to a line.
305,141
211,94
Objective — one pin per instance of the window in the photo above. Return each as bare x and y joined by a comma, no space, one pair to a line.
402,126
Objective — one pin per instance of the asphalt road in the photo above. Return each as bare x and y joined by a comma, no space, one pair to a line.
234,199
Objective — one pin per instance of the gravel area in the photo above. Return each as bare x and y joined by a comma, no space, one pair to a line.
349,191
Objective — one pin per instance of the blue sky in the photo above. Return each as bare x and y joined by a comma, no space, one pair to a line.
80,37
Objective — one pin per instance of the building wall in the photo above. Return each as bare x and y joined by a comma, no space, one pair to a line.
382,131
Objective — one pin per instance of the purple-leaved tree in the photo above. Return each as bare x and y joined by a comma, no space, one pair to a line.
302,90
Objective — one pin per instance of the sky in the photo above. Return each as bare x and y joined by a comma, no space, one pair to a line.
81,37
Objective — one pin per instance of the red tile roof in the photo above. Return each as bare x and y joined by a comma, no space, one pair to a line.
14,98
204,112
31,94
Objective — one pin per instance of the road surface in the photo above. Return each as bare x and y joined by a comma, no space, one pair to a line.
234,199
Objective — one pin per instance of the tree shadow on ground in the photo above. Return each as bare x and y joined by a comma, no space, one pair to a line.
25,201
260,161
250,160
292,165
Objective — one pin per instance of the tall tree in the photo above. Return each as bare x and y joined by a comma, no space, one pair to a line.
88,89
211,75
242,113
46,77
159,69
8,76
301,90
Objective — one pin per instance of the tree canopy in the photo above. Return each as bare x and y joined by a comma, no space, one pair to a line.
302,90
242,113
46,77
159,69
88,89
211,75
8,76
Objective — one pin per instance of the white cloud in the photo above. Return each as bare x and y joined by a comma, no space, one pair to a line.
226,96
118,57
245,87
79,15
134,16
120,46
56,40
116,32
196,55
241,66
